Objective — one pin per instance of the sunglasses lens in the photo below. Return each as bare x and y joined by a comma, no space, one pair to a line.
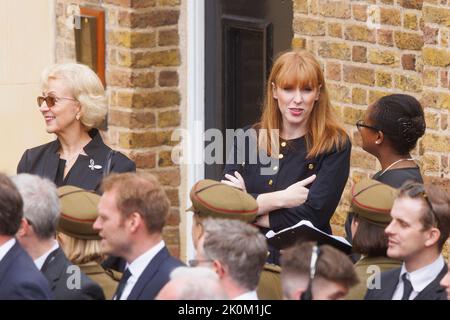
50,101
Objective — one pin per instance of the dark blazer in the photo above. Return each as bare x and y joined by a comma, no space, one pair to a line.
20,279
389,282
60,272
155,276
332,170
85,173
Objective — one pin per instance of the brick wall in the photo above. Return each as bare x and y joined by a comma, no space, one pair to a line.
142,77
372,48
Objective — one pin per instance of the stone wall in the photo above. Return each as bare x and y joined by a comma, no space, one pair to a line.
143,60
372,48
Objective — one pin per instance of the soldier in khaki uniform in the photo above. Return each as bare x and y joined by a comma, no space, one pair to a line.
212,199
371,204
80,242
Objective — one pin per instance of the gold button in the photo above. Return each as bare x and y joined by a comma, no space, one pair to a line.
280,156
310,166
270,182
275,168
283,144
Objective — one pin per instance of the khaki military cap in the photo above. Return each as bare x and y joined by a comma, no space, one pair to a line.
78,212
215,199
372,201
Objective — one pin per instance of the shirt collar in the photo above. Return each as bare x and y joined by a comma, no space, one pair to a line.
422,277
93,146
249,295
4,248
39,262
140,263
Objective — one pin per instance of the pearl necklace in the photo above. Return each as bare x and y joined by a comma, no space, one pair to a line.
393,164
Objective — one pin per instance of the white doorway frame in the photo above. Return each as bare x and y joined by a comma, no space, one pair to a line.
195,102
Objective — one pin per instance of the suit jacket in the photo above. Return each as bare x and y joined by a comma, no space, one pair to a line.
155,276
390,279
20,279
86,173
60,273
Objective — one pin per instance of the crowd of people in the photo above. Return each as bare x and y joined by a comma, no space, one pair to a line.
78,223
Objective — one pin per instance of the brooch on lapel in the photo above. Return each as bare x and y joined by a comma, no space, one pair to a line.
93,166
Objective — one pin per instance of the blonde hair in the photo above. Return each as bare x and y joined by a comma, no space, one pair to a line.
86,88
80,251
324,132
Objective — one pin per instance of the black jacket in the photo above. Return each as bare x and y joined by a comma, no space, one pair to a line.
332,170
389,282
20,279
155,276
67,281
86,173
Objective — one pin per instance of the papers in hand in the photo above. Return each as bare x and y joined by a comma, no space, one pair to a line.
305,231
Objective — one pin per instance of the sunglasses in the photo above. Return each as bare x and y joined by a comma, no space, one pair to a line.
360,124
416,189
50,100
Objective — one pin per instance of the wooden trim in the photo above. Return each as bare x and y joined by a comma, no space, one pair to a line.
100,16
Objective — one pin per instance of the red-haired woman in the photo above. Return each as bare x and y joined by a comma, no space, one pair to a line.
298,141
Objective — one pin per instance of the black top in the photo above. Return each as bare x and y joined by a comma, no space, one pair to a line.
396,177
87,171
332,170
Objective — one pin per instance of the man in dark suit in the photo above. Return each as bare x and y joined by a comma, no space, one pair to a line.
37,236
419,228
19,277
132,214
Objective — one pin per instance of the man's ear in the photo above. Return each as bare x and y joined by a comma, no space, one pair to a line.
433,237
133,221
24,228
219,269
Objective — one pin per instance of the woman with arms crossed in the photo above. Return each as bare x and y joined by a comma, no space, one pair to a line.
311,146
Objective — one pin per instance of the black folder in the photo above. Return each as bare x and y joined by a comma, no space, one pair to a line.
305,231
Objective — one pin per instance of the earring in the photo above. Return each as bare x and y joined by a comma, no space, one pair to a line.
77,116
377,142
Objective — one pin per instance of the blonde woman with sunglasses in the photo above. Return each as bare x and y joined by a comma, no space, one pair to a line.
73,106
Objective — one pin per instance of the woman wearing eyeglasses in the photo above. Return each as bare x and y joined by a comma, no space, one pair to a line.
311,146
389,131
73,105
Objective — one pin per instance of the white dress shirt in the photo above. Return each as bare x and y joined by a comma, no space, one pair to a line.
39,262
419,279
138,266
249,295
4,248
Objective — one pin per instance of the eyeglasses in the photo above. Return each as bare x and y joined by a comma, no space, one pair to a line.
307,295
415,189
360,124
50,100
196,262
